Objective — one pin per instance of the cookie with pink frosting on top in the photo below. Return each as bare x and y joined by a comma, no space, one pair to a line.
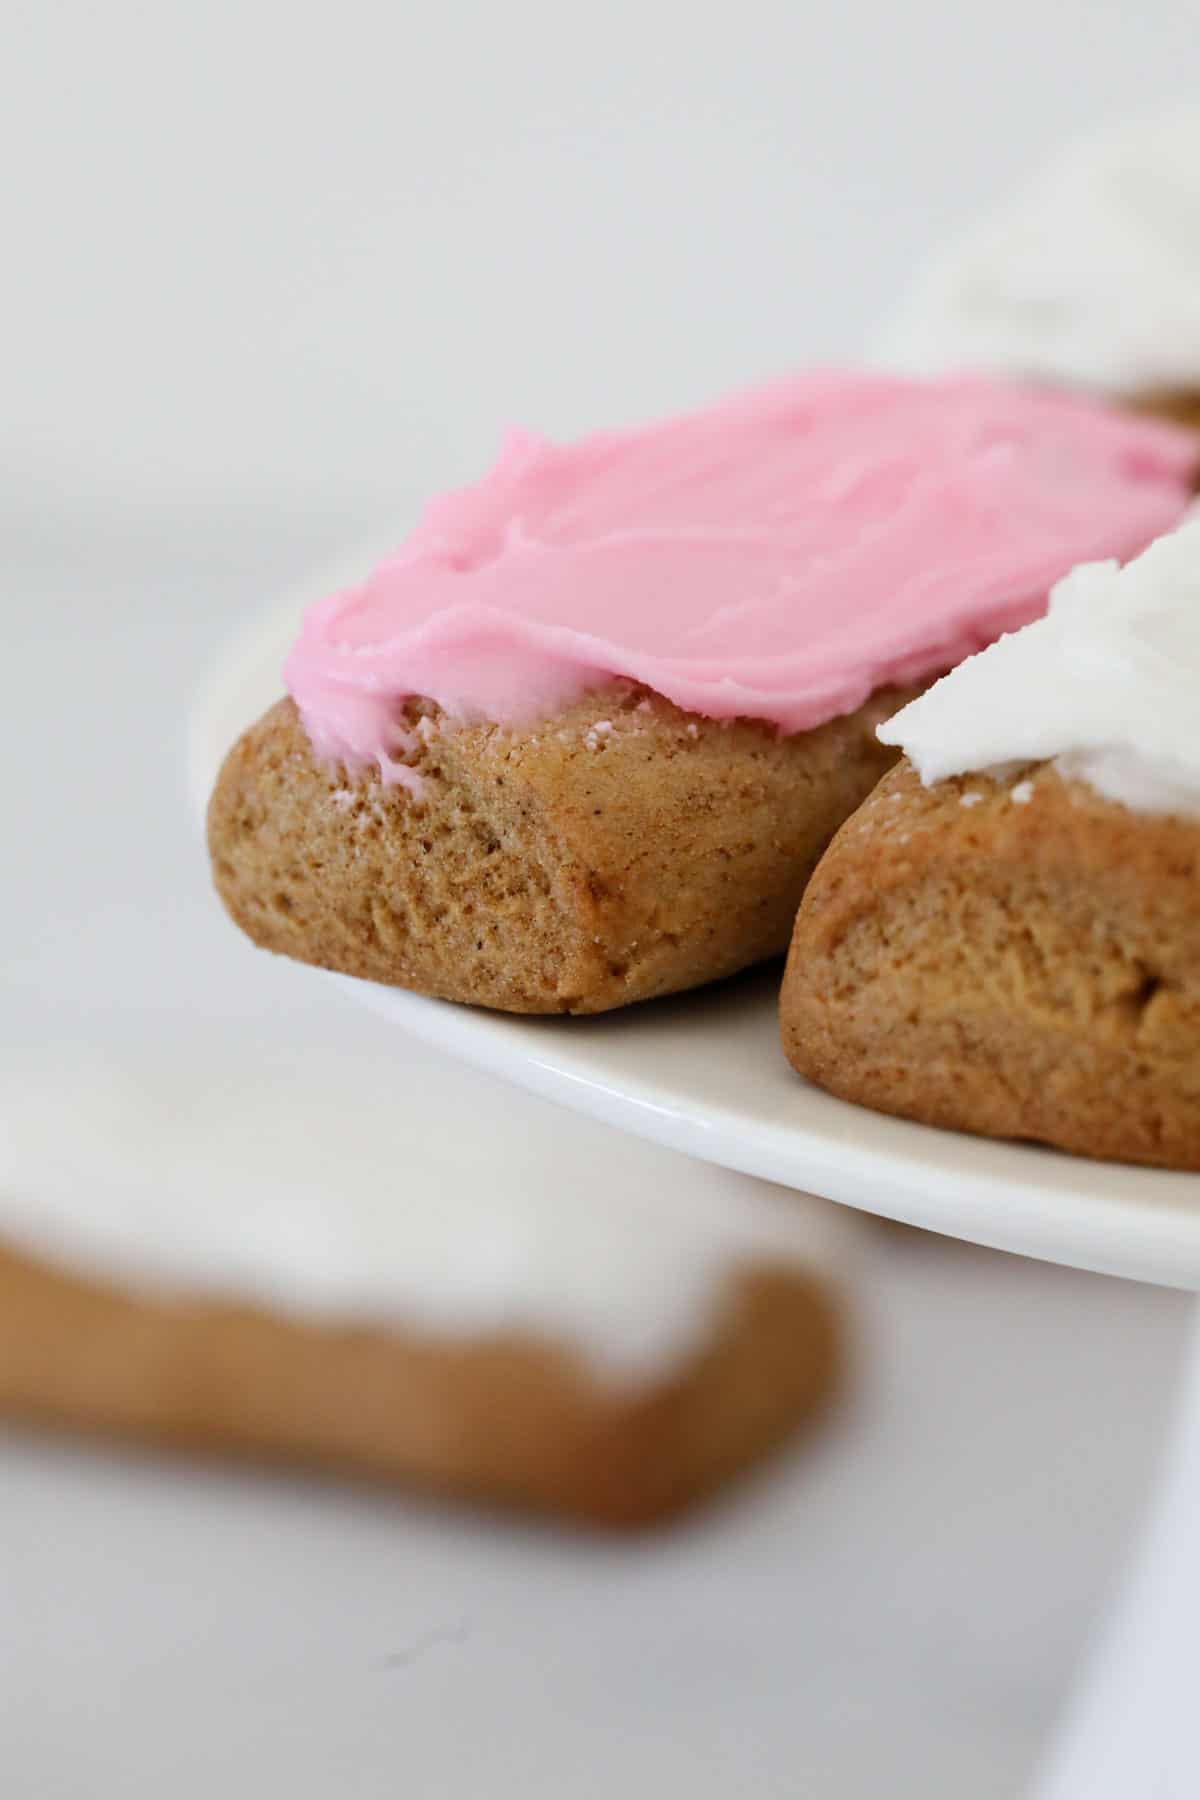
582,740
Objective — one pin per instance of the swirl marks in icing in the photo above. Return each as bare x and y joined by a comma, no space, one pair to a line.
778,556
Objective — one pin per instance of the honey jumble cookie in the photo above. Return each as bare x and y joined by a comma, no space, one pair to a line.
1087,279
424,1280
1005,938
581,741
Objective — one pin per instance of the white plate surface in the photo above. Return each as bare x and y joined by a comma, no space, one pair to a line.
705,1075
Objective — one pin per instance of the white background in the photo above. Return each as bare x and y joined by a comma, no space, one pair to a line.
270,273
256,246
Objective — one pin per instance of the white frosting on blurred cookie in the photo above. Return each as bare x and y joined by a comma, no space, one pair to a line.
1107,685
401,1193
1089,278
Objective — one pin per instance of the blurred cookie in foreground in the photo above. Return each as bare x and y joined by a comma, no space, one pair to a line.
1087,279
1005,938
435,1282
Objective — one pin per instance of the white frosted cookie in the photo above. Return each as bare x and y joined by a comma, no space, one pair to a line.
401,1271
1005,938
1087,278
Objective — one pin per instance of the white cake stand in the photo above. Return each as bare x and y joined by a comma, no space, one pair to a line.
705,1075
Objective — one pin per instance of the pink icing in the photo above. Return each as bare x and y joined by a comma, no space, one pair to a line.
777,557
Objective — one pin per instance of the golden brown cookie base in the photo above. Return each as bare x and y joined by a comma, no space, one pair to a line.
504,1420
1180,405
1017,970
619,851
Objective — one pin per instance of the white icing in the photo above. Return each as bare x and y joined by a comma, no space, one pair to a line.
1108,684
1089,278
349,1190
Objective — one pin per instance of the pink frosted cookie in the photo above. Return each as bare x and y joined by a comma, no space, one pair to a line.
582,739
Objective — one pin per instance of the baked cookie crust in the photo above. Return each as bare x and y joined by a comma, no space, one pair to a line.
618,851
1178,405
1018,958
505,1420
